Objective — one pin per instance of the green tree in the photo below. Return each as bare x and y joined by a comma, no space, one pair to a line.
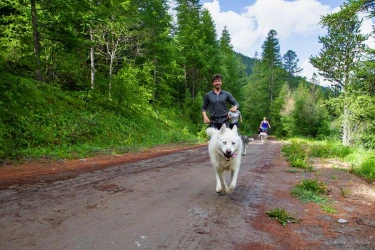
36,36
160,49
256,104
233,67
212,55
189,36
16,37
342,49
290,61
304,113
314,79
278,108
272,66
362,88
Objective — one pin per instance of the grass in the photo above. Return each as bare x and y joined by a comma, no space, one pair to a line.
43,121
296,155
366,169
71,135
298,151
310,190
328,209
282,216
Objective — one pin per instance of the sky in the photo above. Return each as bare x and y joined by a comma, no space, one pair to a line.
295,21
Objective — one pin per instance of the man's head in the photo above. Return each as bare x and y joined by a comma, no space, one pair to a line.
216,81
216,77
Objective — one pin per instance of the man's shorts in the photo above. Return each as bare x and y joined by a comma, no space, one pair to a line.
217,125
232,125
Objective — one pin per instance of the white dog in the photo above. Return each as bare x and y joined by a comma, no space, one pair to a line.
263,137
225,149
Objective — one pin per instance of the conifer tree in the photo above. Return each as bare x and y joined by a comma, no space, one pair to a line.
342,49
196,36
233,67
190,39
272,66
290,61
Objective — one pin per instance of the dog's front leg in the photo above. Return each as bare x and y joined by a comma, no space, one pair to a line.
221,186
244,147
218,183
233,182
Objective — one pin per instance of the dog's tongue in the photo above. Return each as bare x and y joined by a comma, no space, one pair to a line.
227,157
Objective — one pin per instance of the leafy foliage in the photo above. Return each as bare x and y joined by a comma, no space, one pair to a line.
304,113
282,216
342,52
310,190
43,120
297,156
366,169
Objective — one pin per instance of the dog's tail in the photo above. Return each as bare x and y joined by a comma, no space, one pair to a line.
211,131
251,139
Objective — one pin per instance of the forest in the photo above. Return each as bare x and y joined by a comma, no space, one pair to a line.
80,78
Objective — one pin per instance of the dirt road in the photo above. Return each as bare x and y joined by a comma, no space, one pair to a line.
166,199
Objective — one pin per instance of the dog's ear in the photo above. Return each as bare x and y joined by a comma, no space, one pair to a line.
222,129
234,128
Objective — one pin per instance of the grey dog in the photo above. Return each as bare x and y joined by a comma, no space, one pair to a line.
245,141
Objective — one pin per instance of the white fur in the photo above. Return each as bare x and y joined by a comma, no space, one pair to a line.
263,137
225,150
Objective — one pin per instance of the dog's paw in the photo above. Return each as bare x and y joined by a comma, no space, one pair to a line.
222,191
243,153
230,189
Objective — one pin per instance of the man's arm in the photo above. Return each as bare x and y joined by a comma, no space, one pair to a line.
233,108
233,101
205,118
204,107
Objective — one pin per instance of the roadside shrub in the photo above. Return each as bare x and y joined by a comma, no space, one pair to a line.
339,150
328,209
366,169
294,151
319,150
326,149
282,216
310,190
313,185
296,155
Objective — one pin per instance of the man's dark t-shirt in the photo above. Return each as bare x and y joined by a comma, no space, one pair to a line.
217,105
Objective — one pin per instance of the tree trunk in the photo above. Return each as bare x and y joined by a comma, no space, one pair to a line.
271,92
346,128
92,59
34,21
112,57
155,75
110,75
